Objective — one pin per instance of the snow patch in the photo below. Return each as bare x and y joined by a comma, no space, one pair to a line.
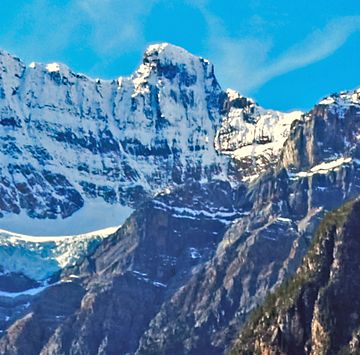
53,67
95,215
194,253
325,167
327,101
188,213
29,292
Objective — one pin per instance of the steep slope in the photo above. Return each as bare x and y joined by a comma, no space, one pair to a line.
316,311
121,286
184,272
258,251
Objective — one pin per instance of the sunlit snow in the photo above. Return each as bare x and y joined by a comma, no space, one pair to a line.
53,67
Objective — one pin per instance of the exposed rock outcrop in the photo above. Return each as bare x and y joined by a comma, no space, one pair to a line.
317,310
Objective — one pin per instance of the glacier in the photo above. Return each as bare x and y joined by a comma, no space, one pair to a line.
40,257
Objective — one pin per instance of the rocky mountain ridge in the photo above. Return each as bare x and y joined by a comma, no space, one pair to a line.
316,311
260,250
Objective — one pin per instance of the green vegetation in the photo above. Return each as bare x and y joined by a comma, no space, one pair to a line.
286,295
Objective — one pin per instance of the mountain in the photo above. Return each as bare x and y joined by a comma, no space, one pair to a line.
251,135
317,310
72,146
70,143
216,221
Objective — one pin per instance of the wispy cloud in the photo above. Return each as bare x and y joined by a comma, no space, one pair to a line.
315,47
245,63
116,25
41,26
107,28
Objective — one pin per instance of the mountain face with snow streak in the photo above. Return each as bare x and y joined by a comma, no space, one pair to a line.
72,146
79,154
251,135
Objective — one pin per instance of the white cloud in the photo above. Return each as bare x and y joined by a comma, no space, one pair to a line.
109,28
315,47
40,27
116,25
244,63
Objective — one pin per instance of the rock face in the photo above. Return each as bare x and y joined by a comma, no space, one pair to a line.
120,288
317,310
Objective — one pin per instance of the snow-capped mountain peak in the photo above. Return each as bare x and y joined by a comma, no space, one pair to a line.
343,98
70,144
165,53
67,140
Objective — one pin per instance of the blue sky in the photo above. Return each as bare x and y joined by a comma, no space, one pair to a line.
285,54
